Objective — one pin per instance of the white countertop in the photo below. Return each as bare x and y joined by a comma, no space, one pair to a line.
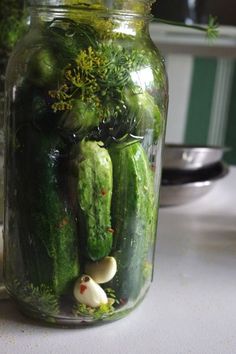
190,308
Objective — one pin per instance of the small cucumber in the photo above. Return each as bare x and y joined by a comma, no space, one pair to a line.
42,68
80,120
133,218
147,112
94,191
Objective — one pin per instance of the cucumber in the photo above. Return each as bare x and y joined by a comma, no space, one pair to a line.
79,121
42,68
47,229
147,112
94,191
133,218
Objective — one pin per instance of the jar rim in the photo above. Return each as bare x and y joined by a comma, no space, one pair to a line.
103,13
127,6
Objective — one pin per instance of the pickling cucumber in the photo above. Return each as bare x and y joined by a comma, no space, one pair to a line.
79,121
94,192
147,112
133,218
47,229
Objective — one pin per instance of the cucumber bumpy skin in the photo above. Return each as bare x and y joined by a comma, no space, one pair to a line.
46,227
133,218
148,114
94,191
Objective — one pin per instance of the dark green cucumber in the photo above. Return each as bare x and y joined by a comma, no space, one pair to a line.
80,120
133,218
42,68
47,229
94,191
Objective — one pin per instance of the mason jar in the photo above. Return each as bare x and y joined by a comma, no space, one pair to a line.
86,102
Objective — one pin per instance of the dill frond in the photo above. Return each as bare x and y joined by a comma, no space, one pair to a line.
39,298
211,30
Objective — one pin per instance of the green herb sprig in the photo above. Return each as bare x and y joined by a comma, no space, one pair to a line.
97,77
100,312
36,297
13,23
211,30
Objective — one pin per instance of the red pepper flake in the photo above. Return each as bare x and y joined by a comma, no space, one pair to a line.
82,288
103,192
123,301
63,223
111,230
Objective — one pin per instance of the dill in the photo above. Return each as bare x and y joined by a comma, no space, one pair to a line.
39,298
99,77
98,313
211,30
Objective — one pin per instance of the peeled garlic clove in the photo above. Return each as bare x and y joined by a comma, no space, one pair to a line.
88,292
102,271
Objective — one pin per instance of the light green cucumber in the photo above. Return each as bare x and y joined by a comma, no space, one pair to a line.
148,114
94,192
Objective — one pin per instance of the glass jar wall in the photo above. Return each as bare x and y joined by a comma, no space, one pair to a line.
85,117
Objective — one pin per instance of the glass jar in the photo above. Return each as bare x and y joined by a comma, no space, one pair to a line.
86,102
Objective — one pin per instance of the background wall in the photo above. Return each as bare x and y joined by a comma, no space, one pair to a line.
202,101
202,86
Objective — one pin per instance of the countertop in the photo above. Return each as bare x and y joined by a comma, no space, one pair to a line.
191,306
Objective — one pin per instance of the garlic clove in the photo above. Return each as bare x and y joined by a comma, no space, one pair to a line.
88,292
102,271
